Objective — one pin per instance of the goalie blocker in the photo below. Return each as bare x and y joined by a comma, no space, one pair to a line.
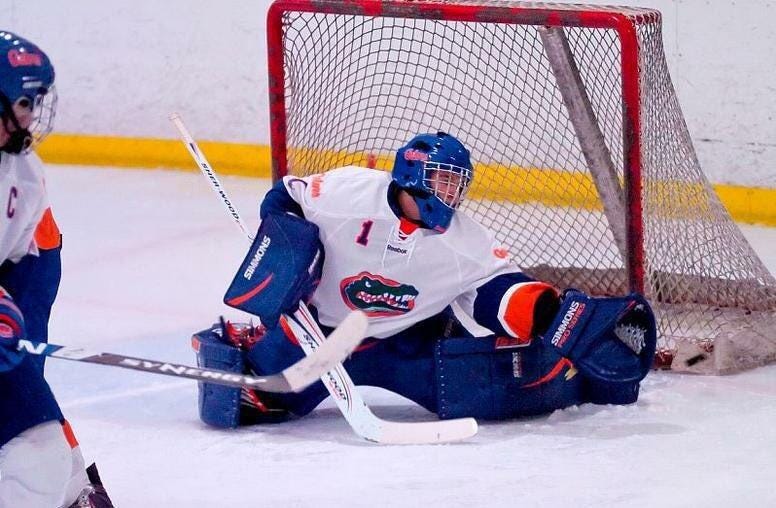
595,350
282,267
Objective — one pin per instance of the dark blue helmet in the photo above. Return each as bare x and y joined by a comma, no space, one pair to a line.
436,170
27,81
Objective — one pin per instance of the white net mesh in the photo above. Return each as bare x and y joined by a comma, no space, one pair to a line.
357,87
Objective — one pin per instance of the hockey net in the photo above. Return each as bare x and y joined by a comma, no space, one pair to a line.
584,165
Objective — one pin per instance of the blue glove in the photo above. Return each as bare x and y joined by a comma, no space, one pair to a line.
11,330
610,340
282,267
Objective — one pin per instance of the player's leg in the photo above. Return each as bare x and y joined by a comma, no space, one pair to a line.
25,400
37,445
596,350
403,364
441,367
33,447
485,377
35,467
449,376
497,378
43,467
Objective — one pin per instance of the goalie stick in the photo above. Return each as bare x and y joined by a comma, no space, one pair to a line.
364,423
340,343
207,170
337,381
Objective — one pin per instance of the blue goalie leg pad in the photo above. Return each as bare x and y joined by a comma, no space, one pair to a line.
273,353
606,392
219,405
403,364
226,406
488,378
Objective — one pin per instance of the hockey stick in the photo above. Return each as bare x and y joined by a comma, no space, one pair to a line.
295,378
337,381
207,170
349,401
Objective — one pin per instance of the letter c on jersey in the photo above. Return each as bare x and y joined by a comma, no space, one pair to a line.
11,209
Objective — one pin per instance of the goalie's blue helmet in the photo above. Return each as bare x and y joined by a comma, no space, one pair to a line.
436,170
26,80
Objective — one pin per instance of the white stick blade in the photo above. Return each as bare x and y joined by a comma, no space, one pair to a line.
416,433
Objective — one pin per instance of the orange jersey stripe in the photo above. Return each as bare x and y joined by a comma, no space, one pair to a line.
47,234
517,312
69,434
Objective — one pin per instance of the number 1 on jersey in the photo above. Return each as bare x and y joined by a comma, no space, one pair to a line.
363,236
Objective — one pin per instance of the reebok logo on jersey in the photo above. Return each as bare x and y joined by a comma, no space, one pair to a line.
377,296
397,250
263,246
567,324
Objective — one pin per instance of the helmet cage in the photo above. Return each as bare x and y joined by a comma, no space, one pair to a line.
45,105
449,183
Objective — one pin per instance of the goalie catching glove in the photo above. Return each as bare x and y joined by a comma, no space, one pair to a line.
611,341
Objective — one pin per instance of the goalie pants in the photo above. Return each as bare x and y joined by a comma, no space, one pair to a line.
458,376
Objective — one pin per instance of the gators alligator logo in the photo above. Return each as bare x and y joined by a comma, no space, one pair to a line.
377,296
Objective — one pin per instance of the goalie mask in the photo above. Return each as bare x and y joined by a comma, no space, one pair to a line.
27,96
436,170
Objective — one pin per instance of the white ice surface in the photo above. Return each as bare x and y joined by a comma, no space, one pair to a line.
147,255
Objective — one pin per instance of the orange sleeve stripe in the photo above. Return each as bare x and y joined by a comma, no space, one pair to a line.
47,234
69,434
516,312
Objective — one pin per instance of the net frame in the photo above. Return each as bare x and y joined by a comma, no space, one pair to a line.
645,94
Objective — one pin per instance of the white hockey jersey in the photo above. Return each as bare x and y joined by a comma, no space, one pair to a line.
374,263
23,201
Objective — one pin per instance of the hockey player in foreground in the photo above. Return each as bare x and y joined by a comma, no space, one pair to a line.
40,462
393,246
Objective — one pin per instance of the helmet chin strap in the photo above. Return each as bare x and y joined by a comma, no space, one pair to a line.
19,142
20,139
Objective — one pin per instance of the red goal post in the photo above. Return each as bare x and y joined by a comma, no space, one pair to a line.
584,164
